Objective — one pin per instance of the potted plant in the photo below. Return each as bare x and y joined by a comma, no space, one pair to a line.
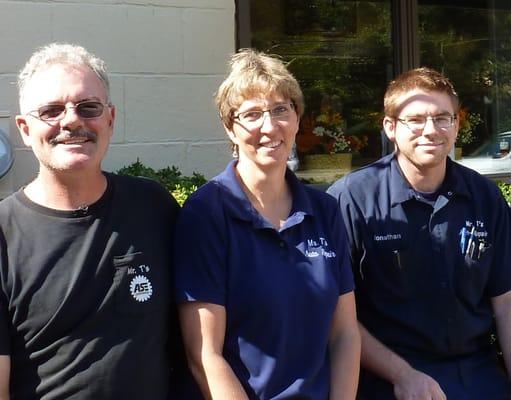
335,150
338,150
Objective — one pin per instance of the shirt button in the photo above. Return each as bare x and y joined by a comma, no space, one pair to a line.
282,244
443,285
449,320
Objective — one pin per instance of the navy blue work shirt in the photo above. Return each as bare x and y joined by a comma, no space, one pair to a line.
425,273
279,287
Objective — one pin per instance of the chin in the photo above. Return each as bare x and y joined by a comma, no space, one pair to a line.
73,165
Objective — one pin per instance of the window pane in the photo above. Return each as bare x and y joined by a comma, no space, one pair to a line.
471,43
340,51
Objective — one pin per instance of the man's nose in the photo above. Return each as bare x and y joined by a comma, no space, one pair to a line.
71,117
429,126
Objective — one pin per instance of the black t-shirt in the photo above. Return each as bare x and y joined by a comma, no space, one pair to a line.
85,295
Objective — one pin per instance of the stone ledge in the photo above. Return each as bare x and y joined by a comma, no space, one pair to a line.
324,176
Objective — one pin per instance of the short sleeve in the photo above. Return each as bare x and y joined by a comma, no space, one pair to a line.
346,208
4,312
500,275
346,281
199,250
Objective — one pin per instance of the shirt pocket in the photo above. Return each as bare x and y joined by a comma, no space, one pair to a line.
136,285
472,274
403,271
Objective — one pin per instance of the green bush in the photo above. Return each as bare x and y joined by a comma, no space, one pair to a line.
505,188
170,177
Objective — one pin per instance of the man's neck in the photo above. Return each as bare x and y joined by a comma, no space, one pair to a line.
423,179
66,191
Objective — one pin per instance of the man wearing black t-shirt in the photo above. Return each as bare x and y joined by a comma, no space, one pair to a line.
85,255
431,247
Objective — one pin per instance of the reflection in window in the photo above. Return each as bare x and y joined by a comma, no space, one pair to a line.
340,51
471,44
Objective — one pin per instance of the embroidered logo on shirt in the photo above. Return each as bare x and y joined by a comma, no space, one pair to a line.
474,239
140,288
316,248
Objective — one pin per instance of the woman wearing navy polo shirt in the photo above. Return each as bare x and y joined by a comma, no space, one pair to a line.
263,275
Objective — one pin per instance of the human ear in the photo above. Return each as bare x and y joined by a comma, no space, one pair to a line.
389,125
23,128
112,117
230,133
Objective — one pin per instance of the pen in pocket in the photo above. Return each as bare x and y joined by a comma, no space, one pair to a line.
397,258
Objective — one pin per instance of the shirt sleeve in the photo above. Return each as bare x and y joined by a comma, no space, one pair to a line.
199,250
4,311
346,281
347,210
500,275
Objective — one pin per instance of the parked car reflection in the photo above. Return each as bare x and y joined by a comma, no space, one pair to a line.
492,158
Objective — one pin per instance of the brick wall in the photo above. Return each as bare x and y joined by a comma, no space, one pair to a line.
166,58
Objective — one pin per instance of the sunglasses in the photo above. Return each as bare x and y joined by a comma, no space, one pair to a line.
55,112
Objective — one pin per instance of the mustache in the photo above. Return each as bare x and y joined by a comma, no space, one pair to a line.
76,133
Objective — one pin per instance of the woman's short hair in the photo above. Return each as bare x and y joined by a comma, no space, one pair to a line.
426,79
253,73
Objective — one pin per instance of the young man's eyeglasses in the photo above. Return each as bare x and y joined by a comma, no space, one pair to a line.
86,109
417,123
255,118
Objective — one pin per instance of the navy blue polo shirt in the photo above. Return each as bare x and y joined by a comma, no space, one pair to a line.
425,273
279,287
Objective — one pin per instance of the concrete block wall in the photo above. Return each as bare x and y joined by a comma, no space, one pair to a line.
166,58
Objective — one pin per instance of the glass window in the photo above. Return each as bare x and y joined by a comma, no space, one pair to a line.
470,42
341,53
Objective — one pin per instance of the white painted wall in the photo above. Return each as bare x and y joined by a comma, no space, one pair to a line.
166,58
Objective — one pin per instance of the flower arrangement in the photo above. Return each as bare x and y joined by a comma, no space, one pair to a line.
339,143
329,123
468,122
325,132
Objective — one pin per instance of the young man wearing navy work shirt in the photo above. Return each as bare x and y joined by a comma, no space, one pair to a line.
430,244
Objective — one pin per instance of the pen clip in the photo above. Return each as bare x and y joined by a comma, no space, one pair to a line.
397,257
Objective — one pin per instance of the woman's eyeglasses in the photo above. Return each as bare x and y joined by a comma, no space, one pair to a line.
255,118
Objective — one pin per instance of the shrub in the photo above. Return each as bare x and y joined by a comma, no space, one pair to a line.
170,177
505,188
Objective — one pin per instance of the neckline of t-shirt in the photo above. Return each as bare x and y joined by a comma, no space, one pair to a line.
84,211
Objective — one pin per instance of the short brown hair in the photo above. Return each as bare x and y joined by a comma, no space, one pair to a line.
251,74
426,79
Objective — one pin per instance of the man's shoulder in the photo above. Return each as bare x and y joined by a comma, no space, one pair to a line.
139,188
477,184
368,177
131,181
8,204
319,198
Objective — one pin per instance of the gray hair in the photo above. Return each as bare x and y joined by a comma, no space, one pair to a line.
61,54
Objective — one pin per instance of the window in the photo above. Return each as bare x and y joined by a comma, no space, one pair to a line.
470,43
345,52
340,51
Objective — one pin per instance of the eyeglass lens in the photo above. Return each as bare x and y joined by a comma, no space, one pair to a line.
280,112
419,122
85,109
